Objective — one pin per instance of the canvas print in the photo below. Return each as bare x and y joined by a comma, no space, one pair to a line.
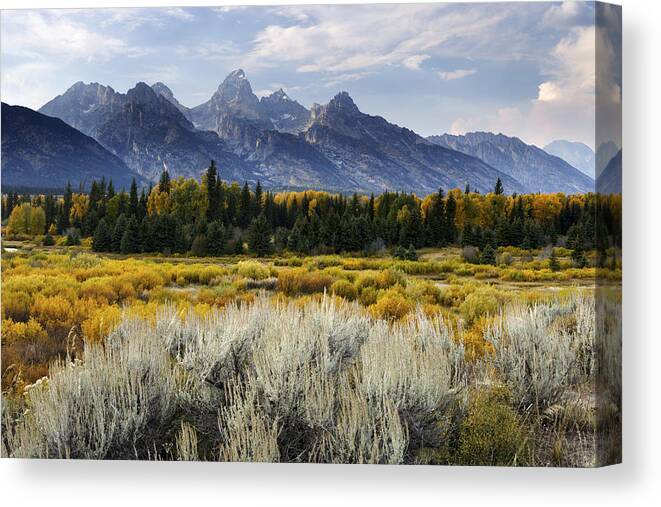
350,234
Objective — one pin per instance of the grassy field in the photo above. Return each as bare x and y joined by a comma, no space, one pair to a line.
321,359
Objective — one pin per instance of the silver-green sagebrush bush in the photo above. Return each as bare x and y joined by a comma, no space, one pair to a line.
319,382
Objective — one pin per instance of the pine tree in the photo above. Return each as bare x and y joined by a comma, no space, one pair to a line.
102,240
48,240
449,222
180,245
164,182
63,222
259,237
498,189
437,220
118,233
73,237
147,235
130,239
199,246
554,265
213,205
258,200
216,238
298,240
488,255
111,190
133,199
411,254
142,207
245,207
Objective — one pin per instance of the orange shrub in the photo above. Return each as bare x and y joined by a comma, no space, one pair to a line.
16,306
13,332
391,306
99,289
300,281
475,345
100,323
54,313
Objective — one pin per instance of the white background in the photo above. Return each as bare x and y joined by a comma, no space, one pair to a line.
636,482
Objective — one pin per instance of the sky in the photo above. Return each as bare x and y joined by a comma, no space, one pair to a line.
523,69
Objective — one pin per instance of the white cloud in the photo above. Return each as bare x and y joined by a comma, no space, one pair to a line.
413,62
179,13
456,74
325,39
564,107
567,14
37,36
21,85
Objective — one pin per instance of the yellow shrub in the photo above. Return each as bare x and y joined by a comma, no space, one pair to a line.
345,289
13,332
380,280
16,305
299,281
102,321
99,289
211,275
368,296
475,345
144,279
423,291
253,269
484,301
54,313
391,306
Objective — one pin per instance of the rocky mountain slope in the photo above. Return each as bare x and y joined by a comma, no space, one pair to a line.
278,141
578,155
146,130
378,155
41,151
535,169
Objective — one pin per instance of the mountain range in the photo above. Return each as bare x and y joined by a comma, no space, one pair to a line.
279,142
537,170
41,151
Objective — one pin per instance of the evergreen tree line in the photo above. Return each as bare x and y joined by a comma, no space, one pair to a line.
215,217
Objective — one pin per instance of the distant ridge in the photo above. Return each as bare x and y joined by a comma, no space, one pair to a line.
39,151
535,169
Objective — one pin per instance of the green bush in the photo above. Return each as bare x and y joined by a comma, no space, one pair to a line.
345,289
484,301
491,433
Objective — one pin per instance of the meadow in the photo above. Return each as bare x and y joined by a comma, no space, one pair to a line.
327,358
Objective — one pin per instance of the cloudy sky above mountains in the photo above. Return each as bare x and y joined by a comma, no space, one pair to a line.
524,69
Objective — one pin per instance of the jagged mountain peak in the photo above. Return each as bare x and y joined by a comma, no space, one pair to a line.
278,96
342,102
237,74
162,89
142,93
235,81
